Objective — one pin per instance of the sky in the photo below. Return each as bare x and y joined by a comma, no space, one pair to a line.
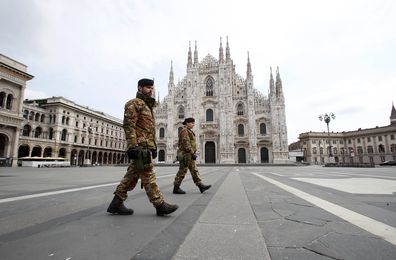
334,56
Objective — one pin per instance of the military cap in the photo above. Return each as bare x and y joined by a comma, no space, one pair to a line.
145,82
188,120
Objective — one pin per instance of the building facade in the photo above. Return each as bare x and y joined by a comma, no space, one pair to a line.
234,122
372,145
13,78
58,127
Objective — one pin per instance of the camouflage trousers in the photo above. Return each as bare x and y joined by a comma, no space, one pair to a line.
147,176
187,164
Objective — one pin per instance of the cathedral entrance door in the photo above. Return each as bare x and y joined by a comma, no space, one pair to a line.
210,152
161,156
264,155
241,155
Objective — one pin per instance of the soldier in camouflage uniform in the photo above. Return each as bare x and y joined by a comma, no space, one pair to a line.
187,156
139,130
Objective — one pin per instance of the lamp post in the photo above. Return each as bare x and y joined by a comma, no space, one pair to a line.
88,160
327,118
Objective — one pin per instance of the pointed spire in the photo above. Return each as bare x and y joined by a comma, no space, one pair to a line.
228,55
278,83
272,85
171,77
189,60
195,54
393,115
249,68
221,54
158,97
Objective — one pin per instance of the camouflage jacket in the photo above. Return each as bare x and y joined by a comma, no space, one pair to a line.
139,123
187,143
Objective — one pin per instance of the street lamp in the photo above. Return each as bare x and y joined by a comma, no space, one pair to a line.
88,160
327,118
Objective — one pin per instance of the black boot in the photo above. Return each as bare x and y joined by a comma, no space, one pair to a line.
177,190
202,187
165,209
117,207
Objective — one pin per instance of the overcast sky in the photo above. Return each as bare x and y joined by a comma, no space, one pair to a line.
334,56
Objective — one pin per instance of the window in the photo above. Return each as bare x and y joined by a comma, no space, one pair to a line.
341,141
26,130
349,141
209,87
181,112
392,137
10,98
2,98
370,149
393,148
368,139
25,114
64,133
240,109
263,129
334,141
209,115
241,130
314,151
51,134
380,138
162,132
335,150
358,140
42,119
38,132
360,150
381,148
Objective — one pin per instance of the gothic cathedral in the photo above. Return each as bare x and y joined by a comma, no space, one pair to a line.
234,122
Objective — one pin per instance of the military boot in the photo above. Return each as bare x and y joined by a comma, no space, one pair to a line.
165,209
202,187
117,207
177,190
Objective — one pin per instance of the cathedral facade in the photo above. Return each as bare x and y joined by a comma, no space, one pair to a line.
234,122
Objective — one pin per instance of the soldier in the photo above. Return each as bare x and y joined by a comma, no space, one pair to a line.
187,156
139,130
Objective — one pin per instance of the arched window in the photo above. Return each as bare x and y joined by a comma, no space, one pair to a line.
181,112
37,117
162,132
360,150
63,119
25,114
31,115
38,132
241,130
42,119
2,98
209,87
209,115
67,120
26,130
10,98
51,133
263,129
381,148
240,109
64,133
393,148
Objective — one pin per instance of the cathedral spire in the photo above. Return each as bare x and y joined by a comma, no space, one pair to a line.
278,83
195,54
171,84
221,54
393,115
228,55
189,60
272,86
249,68
171,77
